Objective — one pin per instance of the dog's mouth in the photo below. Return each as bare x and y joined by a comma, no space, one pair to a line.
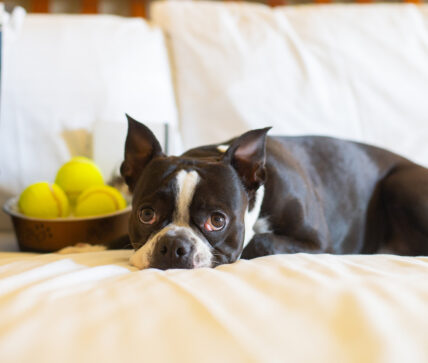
173,247
144,257
142,261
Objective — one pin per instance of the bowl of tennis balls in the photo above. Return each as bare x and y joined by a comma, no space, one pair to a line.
78,207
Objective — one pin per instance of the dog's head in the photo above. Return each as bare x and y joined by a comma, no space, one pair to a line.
191,211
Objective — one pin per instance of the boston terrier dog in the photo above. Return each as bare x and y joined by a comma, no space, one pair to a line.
257,195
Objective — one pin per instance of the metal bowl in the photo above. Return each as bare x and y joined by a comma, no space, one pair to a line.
49,235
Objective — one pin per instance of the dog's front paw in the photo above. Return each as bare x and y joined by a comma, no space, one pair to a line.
260,245
81,248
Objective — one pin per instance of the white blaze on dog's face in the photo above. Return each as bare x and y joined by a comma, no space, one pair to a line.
190,211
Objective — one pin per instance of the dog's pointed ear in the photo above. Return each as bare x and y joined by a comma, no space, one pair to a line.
247,154
141,147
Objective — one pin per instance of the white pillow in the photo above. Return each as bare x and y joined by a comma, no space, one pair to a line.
64,73
351,71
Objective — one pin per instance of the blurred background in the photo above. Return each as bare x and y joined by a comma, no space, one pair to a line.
140,7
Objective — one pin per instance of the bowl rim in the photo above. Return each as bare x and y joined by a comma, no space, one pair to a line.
11,202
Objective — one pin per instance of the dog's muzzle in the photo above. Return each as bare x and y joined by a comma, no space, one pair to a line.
173,247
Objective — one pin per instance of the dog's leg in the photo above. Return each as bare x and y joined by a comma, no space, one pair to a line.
117,244
271,244
405,196
81,248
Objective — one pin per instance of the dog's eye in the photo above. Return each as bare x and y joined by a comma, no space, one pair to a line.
215,222
147,216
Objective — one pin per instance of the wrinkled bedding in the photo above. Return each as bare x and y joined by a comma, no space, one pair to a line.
297,308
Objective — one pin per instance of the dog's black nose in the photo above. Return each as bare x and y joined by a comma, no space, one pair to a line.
173,252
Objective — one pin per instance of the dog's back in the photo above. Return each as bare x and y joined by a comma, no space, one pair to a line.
327,189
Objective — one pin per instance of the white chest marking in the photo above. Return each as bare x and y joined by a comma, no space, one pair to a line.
262,226
252,216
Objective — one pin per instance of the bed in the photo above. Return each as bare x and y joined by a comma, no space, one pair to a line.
287,308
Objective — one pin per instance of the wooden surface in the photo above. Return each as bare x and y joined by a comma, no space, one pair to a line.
89,6
39,6
138,8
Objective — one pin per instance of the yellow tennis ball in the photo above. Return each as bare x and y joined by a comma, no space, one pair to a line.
44,200
77,175
99,200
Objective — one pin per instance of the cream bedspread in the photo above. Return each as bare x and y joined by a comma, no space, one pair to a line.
94,307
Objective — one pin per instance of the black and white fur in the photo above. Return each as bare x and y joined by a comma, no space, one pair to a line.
256,195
